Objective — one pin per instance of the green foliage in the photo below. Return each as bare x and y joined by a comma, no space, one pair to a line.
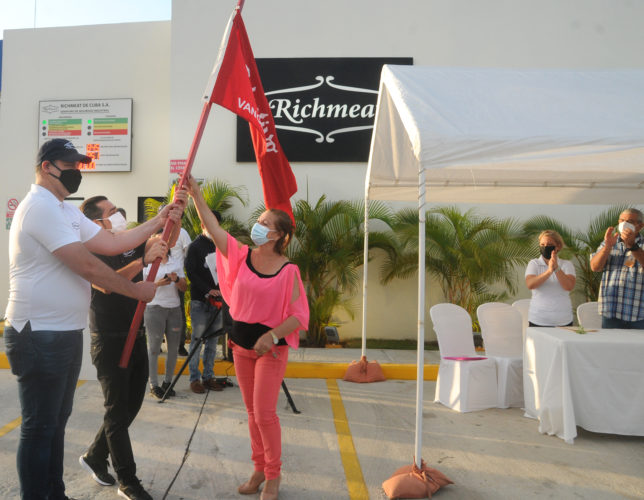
219,196
328,248
579,245
470,256
474,259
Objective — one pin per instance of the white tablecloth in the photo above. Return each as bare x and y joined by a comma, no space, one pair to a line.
594,380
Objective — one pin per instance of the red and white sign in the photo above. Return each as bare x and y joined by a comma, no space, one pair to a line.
12,204
177,166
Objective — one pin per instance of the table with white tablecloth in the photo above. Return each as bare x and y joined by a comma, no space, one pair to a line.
593,380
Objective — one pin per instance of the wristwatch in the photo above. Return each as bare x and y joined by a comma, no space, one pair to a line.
634,248
275,339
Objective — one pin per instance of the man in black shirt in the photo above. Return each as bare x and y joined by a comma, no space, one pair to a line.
206,318
123,389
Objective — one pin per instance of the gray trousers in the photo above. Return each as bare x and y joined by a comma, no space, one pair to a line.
161,321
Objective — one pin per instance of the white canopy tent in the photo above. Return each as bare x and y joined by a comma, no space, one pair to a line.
502,136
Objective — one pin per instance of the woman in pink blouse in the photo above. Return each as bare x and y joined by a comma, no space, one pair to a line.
269,307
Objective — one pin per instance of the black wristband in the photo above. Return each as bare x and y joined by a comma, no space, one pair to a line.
634,248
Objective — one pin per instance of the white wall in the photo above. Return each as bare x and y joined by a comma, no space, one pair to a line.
495,33
107,61
513,33
164,67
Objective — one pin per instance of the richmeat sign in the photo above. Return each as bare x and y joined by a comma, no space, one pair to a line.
324,109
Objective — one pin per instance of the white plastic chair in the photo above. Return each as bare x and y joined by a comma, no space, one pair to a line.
501,329
588,316
523,306
463,385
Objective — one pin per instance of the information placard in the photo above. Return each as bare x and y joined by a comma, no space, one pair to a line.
100,128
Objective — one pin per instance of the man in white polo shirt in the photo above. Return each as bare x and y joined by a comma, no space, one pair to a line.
50,269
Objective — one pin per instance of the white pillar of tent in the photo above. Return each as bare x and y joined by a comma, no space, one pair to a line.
364,269
420,349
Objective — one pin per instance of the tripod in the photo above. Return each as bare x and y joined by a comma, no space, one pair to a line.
197,350
194,351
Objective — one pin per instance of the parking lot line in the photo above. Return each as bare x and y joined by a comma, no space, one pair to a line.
10,426
352,470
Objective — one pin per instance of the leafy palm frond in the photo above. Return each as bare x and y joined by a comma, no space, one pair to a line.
328,247
219,196
469,255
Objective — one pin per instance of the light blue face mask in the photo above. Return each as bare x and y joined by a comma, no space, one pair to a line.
259,234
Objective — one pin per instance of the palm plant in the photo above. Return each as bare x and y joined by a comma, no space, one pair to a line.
579,244
328,249
219,196
470,256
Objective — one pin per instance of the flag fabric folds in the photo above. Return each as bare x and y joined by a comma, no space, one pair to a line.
235,85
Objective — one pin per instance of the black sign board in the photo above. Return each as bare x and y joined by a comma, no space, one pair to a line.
324,108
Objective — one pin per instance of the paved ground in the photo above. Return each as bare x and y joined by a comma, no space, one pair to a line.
348,439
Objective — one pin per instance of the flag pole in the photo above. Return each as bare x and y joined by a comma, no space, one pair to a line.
168,228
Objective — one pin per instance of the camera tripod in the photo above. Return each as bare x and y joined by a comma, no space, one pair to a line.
197,350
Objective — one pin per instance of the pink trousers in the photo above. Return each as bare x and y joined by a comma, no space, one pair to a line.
260,379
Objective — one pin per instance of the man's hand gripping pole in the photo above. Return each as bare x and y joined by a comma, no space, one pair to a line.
167,231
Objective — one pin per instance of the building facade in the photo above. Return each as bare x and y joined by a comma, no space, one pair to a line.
164,67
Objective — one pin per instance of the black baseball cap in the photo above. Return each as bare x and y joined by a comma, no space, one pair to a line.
60,149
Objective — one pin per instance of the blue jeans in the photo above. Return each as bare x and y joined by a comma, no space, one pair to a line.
620,323
202,316
47,364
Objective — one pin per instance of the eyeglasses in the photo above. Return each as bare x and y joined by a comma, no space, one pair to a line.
111,213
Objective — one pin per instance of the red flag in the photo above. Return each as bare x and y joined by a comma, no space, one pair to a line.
237,87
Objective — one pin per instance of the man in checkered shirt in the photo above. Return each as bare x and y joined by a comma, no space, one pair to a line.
621,259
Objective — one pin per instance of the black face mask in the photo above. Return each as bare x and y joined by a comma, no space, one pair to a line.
546,252
70,179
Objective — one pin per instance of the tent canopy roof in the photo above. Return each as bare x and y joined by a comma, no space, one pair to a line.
513,136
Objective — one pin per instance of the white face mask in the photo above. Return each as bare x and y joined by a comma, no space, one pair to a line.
259,234
625,225
119,224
